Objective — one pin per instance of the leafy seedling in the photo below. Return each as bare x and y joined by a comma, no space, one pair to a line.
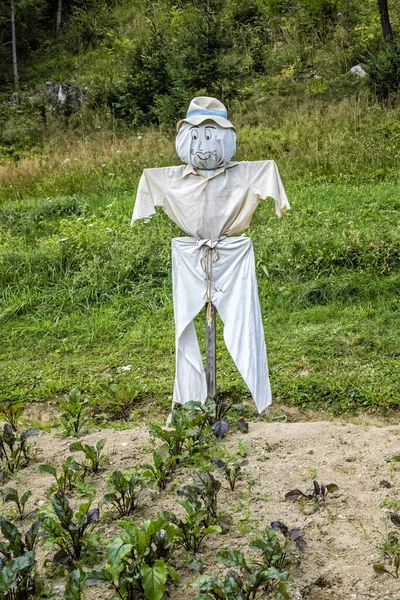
15,450
127,493
65,481
75,585
92,454
390,548
294,534
118,401
137,562
11,495
73,413
160,471
253,577
231,471
319,493
71,533
19,579
11,412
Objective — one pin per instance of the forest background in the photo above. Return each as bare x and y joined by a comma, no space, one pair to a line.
86,301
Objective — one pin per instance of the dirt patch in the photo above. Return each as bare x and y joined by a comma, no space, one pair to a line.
342,537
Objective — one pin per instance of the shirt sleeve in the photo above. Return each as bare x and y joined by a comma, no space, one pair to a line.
266,182
150,193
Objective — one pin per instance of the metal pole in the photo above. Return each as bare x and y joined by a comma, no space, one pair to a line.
211,354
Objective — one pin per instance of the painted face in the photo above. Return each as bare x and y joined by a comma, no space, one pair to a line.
205,146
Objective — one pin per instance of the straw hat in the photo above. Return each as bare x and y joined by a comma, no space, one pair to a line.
203,109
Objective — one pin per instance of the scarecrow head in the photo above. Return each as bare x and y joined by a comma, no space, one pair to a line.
206,139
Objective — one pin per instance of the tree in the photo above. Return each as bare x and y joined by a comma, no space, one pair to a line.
14,47
385,20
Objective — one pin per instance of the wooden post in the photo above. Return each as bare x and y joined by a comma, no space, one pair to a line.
211,355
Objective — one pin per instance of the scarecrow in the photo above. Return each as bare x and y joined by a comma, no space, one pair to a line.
212,199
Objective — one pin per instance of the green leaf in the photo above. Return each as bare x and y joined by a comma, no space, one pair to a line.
154,579
380,569
25,497
231,558
102,577
10,495
117,549
75,585
76,447
48,469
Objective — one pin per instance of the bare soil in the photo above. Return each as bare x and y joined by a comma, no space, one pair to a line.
343,537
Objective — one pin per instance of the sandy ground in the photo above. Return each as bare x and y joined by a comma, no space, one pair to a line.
342,538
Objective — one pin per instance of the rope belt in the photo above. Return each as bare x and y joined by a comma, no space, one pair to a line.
210,256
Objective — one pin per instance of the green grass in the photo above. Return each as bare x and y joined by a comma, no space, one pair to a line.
83,294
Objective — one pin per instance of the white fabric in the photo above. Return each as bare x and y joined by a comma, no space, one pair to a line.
205,146
235,296
209,204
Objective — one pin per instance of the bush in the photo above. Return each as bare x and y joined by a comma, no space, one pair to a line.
384,71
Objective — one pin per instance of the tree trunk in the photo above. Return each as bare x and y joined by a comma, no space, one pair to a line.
58,16
14,47
385,21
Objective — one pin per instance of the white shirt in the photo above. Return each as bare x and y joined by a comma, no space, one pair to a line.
210,204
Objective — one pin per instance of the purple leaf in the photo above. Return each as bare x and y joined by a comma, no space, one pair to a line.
294,495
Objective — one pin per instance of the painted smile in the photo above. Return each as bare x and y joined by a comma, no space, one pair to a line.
203,156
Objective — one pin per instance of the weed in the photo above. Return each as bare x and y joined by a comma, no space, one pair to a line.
390,548
242,448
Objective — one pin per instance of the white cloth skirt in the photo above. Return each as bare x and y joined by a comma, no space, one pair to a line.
232,288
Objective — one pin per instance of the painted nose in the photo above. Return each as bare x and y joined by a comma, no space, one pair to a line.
200,147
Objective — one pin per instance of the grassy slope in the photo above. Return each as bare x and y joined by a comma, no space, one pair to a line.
83,294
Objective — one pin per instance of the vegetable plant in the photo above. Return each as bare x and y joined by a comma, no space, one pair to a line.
391,549
231,471
215,413
71,533
195,525
127,492
11,495
161,469
18,574
15,451
92,454
117,402
137,562
64,481
11,412
253,577
185,436
73,413
319,493
75,585
293,534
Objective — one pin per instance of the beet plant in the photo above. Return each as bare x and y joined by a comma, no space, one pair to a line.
73,416
19,579
92,454
232,471
11,412
160,471
137,562
11,495
64,481
318,494
126,493
186,435
71,533
15,450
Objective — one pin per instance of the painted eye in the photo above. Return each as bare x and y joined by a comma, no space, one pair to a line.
208,134
195,134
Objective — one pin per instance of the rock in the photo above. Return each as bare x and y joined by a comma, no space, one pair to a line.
358,71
